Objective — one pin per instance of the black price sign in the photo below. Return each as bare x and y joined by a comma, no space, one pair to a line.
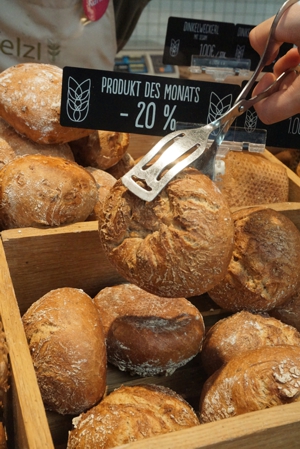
140,104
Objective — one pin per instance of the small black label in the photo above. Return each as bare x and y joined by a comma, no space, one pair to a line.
137,103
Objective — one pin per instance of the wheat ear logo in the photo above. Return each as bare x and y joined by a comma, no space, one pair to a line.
218,106
239,51
78,98
250,121
174,47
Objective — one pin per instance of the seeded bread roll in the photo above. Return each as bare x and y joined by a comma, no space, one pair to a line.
101,149
178,245
30,101
130,414
241,332
38,190
104,182
147,334
289,311
13,145
67,346
262,273
251,179
260,379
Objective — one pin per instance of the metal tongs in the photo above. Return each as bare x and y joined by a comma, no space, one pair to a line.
181,148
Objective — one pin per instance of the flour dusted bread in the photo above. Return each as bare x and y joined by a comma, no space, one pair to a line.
104,182
38,190
147,334
30,101
260,379
251,179
263,272
13,145
101,149
178,245
129,414
67,346
241,332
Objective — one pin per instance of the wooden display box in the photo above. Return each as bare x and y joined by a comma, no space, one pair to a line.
35,261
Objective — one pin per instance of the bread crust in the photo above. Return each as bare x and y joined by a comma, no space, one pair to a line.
262,378
146,334
67,345
289,311
104,182
241,332
30,101
38,190
131,413
261,274
178,245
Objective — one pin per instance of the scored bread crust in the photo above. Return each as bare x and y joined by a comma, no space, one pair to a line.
178,245
30,101
38,190
257,380
261,274
67,345
146,334
131,413
241,332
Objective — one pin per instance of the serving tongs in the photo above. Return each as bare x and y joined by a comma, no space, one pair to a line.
181,148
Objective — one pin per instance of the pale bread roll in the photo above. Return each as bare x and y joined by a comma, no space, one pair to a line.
147,334
38,190
101,149
251,179
241,332
129,414
178,245
13,145
289,311
260,379
30,101
104,182
67,346
262,273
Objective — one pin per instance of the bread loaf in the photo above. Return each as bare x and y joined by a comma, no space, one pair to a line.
130,414
178,245
261,274
251,179
30,101
67,346
289,311
104,182
13,145
261,379
241,332
147,334
101,149
121,167
38,190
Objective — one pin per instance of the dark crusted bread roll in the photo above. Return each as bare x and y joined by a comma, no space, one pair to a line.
67,345
260,379
263,272
241,332
147,334
178,245
131,414
289,311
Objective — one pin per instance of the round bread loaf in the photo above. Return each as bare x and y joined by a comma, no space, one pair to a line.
67,346
289,311
38,190
251,179
178,245
147,334
129,414
101,149
13,145
121,167
260,379
261,274
241,332
104,182
30,101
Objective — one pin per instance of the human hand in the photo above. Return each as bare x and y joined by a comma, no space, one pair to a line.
286,101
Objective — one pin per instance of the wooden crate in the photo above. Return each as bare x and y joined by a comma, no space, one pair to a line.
34,261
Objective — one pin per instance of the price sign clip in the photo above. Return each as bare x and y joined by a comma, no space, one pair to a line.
220,68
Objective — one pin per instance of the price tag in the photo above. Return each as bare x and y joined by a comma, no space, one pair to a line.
138,103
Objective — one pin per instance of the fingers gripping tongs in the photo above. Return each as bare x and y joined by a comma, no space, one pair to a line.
181,148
